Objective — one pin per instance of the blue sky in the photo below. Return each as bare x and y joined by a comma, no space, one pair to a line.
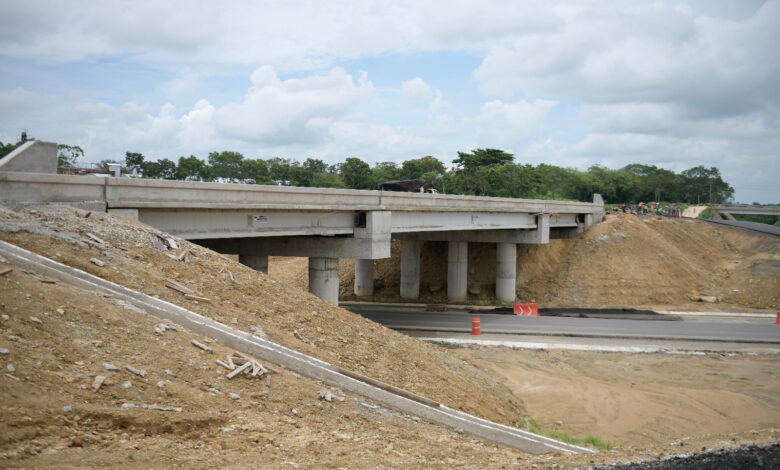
675,84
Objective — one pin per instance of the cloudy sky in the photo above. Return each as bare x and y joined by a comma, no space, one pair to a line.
675,84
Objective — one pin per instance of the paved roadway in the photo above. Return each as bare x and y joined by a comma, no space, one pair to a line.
705,329
754,226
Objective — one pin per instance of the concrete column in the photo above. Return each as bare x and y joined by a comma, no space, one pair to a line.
256,262
588,221
410,269
457,270
364,277
506,272
324,278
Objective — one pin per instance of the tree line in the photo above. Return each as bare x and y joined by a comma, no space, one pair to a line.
480,172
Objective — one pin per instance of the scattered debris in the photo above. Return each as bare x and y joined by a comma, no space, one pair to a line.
197,298
238,363
171,284
159,245
98,382
45,280
94,237
172,243
235,396
202,346
67,409
161,384
109,366
325,395
232,279
5,271
161,328
97,262
11,377
83,214
3,351
138,372
708,298
36,320
127,385
161,408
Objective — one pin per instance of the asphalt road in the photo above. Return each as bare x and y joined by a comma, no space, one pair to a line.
755,226
739,330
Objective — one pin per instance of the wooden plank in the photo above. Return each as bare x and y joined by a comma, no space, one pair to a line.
239,370
171,284
197,297
388,387
202,346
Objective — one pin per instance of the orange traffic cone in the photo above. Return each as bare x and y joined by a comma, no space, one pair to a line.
475,329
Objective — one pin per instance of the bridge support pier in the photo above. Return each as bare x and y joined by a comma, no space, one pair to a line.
506,272
457,270
256,262
324,278
410,269
364,277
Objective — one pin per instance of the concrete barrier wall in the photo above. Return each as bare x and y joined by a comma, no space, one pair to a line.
132,193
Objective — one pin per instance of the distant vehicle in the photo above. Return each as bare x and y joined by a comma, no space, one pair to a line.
409,186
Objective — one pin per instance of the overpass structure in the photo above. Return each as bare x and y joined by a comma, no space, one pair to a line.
747,209
256,221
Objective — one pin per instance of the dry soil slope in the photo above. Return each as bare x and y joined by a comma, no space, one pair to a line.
58,337
623,261
250,298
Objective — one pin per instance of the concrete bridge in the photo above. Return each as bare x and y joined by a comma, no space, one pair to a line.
255,221
748,209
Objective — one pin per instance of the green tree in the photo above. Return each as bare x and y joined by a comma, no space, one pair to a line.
192,168
355,173
68,154
426,167
226,165
255,171
705,185
133,162
384,171
5,149
161,169
481,158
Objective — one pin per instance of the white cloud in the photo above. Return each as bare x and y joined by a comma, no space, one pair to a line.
415,90
291,110
508,124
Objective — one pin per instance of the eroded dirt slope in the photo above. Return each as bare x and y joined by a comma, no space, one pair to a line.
245,298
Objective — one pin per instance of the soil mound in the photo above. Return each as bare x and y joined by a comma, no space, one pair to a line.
57,355
623,261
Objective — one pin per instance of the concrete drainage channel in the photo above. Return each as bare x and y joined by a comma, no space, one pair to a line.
286,357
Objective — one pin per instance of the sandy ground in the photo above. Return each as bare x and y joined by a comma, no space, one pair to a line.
58,338
640,400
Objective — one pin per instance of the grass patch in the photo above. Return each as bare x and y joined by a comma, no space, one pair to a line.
527,423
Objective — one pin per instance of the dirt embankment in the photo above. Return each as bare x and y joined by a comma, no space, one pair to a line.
623,261
239,296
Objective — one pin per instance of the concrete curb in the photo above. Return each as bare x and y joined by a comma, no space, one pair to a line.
286,357
583,347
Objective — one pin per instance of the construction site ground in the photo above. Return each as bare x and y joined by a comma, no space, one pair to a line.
56,339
